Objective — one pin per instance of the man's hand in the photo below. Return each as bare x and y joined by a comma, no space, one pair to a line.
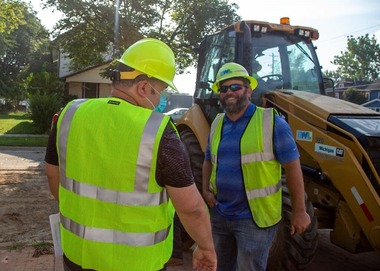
209,198
204,260
300,222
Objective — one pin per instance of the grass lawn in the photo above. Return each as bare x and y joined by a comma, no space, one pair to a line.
20,123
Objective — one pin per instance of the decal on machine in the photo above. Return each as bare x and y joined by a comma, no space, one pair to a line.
304,135
362,204
329,150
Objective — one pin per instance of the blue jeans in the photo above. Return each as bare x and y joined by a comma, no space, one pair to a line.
240,245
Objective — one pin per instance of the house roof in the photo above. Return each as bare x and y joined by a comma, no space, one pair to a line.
86,69
374,86
372,103
90,75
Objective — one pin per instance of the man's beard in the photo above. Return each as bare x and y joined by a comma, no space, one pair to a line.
241,102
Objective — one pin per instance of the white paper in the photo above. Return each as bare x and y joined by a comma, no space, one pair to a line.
56,233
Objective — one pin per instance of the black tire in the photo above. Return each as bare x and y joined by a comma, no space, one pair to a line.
195,154
293,252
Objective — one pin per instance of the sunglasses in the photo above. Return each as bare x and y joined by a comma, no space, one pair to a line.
232,87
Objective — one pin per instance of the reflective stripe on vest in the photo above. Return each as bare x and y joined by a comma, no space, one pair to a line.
112,236
137,197
266,155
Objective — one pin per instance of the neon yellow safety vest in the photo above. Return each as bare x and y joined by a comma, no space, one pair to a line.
261,172
114,215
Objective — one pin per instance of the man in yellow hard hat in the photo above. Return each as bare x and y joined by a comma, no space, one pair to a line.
118,167
242,174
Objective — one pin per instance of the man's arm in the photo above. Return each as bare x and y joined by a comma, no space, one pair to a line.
294,180
52,173
193,213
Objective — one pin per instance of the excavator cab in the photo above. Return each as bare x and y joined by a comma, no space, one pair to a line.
279,60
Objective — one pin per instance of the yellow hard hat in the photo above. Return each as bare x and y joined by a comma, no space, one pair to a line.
153,58
232,70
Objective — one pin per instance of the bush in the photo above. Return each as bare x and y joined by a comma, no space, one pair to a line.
6,107
42,108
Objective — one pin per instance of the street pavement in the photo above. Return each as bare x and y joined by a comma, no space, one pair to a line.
22,158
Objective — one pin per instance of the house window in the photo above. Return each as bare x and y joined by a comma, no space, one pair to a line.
90,90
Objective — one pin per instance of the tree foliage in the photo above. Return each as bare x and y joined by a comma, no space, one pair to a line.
17,49
11,16
361,60
332,74
355,96
87,29
24,53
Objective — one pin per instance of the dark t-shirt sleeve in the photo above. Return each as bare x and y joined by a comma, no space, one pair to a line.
173,164
51,155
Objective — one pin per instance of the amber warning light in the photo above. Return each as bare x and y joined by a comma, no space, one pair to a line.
284,20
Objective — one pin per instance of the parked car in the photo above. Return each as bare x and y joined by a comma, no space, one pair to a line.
176,113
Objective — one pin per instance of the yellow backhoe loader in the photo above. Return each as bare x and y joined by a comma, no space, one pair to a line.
339,142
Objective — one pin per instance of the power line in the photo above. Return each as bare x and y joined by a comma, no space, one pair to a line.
345,35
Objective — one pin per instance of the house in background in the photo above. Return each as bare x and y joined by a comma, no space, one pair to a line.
373,104
88,83
344,84
374,96
374,90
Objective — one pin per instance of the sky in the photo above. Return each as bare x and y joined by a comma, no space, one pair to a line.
334,19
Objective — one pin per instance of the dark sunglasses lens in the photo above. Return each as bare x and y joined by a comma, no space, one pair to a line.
223,89
233,87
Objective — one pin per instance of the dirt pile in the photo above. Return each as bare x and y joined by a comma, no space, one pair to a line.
25,206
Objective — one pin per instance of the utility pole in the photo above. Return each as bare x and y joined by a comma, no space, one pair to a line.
116,30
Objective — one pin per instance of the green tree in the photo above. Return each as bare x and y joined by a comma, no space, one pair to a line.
24,51
86,32
43,82
353,95
361,60
11,16
332,74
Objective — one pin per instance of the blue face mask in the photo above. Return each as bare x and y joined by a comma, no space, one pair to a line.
162,104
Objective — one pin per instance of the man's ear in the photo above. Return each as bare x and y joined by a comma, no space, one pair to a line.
142,88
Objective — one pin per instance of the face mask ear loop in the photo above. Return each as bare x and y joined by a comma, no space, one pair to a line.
150,103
